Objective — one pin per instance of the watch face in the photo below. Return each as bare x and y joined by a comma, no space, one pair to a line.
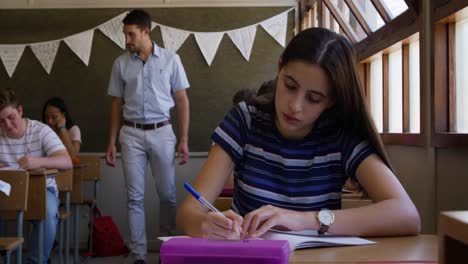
326,217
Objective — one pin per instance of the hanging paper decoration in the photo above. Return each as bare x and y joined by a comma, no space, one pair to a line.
208,44
10,55
173,38
276,27
113,29
81,44
45,52
243,38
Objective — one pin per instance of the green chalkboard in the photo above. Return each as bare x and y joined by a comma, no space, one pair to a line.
84,88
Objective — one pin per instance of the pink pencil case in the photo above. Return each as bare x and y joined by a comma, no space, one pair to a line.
205,251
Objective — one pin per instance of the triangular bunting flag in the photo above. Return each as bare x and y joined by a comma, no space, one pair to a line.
81,44
45,52
208,44
10,55
243,38
276,27
173,38
153,25
113,29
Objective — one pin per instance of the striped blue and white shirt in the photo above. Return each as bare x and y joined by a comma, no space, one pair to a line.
304,175
39,140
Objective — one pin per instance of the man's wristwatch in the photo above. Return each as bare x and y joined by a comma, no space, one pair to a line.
325,218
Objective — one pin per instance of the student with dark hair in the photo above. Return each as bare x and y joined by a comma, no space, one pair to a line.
29,144
291,155
266,88
56,115
243,95
150,80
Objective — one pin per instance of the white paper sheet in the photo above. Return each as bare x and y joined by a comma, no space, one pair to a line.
5,187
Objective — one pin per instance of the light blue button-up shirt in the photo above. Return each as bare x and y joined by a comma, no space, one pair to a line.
147,87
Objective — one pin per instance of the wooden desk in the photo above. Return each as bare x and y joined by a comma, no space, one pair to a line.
413,249
453,237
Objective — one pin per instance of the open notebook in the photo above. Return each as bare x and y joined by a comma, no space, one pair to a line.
308,239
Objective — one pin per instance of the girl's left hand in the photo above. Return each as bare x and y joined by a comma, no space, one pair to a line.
257,222
60,123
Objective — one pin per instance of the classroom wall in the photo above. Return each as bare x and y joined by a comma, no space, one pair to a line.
81,86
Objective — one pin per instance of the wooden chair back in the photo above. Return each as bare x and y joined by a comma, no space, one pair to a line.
64,180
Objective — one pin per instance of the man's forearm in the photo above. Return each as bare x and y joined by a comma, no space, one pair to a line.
114,120
183,117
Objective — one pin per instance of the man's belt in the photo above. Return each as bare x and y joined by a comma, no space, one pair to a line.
146,126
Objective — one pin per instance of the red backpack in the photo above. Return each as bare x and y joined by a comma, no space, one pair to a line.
107,240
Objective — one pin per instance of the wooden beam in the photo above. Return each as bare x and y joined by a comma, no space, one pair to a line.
381,10
452,100
319,13
439,100
385,98
400,28
406,87
445,9
413,6
357,14
334,12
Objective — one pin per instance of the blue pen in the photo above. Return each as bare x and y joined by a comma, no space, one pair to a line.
201,199
205,202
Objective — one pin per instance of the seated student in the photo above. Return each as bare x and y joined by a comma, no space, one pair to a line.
292,155
243,95
55,114
29,144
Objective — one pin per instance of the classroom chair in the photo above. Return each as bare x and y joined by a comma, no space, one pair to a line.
93,175
16,202
64,180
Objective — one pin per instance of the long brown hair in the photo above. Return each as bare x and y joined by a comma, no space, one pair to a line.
335,55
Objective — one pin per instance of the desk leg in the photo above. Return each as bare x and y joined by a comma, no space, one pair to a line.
40,242
19,232
75,232
67,228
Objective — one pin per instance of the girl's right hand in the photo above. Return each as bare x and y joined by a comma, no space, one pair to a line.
217,226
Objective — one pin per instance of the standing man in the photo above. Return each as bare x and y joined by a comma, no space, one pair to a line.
145,84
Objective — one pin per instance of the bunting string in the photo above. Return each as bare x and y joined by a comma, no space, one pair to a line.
173,39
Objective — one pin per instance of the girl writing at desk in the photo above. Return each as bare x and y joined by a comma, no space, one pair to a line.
56,115
29,144
292,151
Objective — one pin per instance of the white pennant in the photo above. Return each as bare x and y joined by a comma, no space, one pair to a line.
276,27
81,44
10,55
45,52
243,38
113,29
208,42
173,38
153,25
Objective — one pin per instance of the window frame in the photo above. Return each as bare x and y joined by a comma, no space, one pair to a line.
443,105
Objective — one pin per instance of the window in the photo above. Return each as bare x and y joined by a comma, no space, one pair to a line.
395,96
414,88
395,7
461,76
450,73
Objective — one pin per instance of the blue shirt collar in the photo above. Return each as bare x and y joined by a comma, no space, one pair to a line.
156,51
